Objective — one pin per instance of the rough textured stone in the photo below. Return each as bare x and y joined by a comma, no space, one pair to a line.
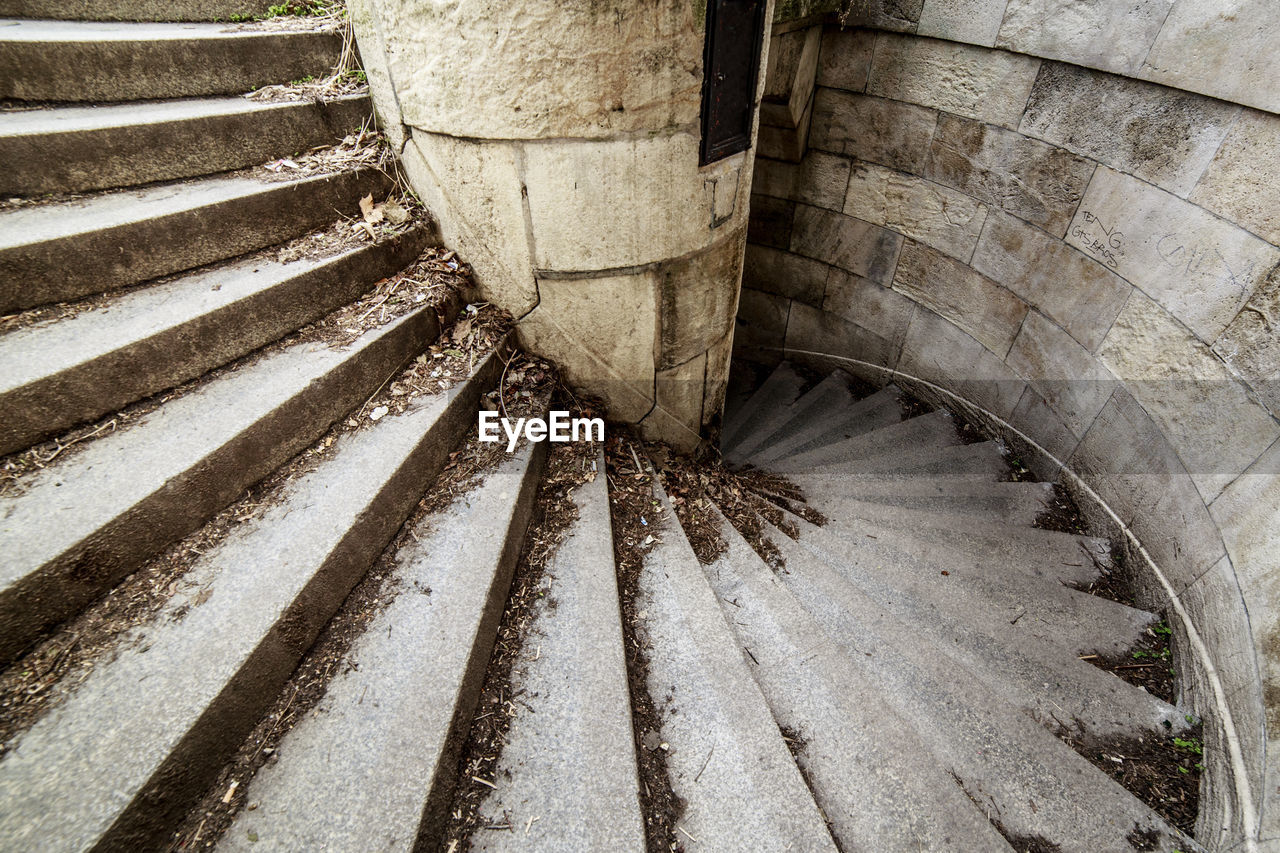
1161,135
1224,49
697,306
1072,382
1097,33
761,320
1078,293
770,222
972,21
877,130
812,330
938,351
679,398
717,379
983,84
1206,414
785,50
473,188
367,26
922,210
594,328
627,202
1251,346
1240,184
1199,267
878,309
785,274
1127,460
820,179
851,244
1031,180
846,59
563,72
979,306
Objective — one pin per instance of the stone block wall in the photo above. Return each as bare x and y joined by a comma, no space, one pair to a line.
557,141
1000,200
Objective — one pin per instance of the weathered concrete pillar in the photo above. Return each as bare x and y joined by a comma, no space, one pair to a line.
558,142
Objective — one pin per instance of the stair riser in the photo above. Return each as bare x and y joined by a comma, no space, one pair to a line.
141,69
132,10
212,728
131,155
60,587
180,353
68,267
866,416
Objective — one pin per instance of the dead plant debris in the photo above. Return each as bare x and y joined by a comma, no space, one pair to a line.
1062,514
364,149
568,467
637,523
1148,666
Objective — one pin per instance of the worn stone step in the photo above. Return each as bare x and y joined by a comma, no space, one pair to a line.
1016,503
83,524
147,732
878,789
375,768
780,389
727,759
112,62
134,10
983,461
830,395
567,778
78,149
900,442
1008,763
57,375
56,252
1017,661
881,409
984,587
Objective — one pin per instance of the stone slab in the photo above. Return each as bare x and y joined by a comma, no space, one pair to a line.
850,243
1112,36
810,330
1072,382
1250,345
876,130
974,82
784,273
770,222
1160,135
970,21
698,298
1201,268
1239,184
845,61
988,312
1080,294
880,409
938,351
761,320
820,179
106,62
932,214
877,309
1029,179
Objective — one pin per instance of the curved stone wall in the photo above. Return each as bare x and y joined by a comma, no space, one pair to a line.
557,141
1092,260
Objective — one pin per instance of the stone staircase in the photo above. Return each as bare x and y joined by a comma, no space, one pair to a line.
261,588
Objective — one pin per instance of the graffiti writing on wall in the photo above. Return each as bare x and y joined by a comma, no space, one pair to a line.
1104,243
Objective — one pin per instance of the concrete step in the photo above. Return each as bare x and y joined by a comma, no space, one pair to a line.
1016,661
1008,763
983,462
727,760
56,252
830,395
1015,503
78,149
57,375
147,732
567,778
881,409
374,769
85,523
878,789
133,10
111,62
985,587
779,390
899,442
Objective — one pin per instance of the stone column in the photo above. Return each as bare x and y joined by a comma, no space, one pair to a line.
558,141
